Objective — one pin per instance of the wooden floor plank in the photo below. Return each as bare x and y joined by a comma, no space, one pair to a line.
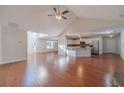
53,70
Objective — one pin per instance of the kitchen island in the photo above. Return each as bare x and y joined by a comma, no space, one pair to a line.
79,51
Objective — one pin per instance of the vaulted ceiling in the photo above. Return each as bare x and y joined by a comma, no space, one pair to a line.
35,17
110,12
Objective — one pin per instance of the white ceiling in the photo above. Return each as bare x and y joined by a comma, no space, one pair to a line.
112,12
34,17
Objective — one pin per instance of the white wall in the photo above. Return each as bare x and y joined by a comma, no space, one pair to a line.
42,45
32,41
39,45
122,44
0,45
100,45
118,44
14,45
88,26
111,45
62,45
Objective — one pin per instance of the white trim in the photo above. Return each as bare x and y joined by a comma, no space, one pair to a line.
110,52
47,51
12,61
122,57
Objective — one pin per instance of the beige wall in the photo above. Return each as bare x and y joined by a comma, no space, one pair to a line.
14,45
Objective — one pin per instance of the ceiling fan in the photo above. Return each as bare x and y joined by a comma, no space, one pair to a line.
59,14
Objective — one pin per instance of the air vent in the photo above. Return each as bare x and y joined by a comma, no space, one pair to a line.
13,25
122,15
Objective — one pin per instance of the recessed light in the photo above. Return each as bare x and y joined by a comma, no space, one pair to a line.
108,32
111,35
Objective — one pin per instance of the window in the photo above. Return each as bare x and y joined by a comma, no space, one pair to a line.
49,45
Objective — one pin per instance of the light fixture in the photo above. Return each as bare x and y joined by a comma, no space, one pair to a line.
111,35
107,32
59,14
58,17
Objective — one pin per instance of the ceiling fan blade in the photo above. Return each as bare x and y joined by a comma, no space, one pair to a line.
64,17
65,12
55,10
51,15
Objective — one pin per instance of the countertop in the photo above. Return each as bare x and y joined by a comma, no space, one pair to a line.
78,47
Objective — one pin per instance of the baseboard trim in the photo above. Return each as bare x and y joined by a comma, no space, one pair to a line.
110,53
46,51
12,61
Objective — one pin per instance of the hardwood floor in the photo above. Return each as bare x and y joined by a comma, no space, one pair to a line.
51,69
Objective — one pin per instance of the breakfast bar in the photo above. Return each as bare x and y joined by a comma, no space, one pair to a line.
79,52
